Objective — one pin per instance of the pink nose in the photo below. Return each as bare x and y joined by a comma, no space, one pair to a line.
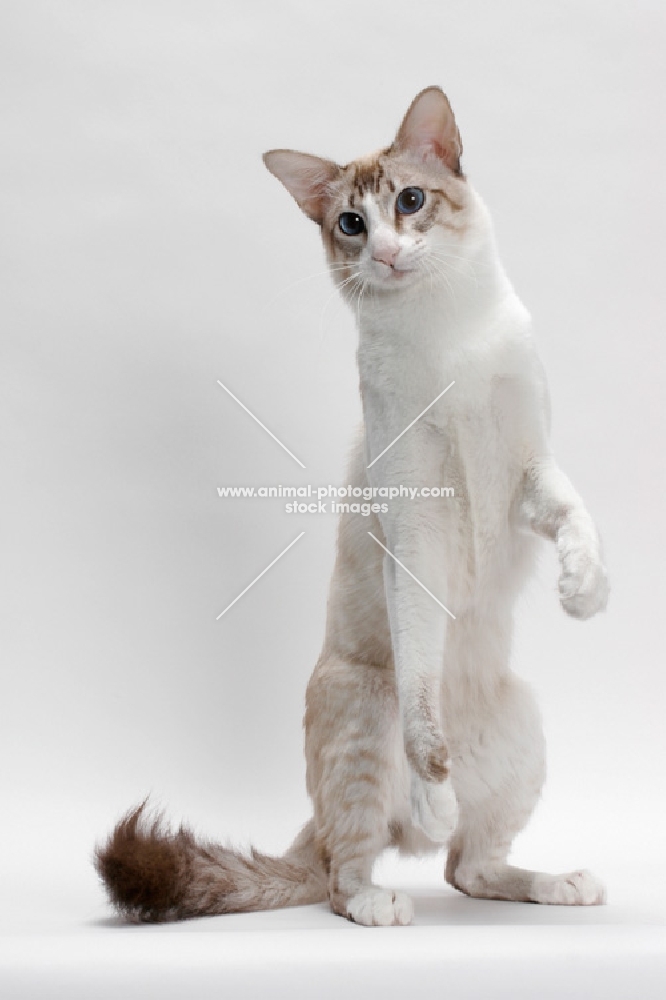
386,255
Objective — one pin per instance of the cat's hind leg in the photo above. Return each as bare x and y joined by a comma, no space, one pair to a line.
498,777
492,878
355,771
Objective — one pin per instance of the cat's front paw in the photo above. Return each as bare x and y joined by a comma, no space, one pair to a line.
427,753
434,808
583,583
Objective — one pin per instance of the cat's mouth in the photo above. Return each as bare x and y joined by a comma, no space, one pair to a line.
386,275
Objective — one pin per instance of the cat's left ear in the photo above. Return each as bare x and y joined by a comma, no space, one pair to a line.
306,178
430,128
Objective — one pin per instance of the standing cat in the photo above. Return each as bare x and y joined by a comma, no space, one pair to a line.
417,733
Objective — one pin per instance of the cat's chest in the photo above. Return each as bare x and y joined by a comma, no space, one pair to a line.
468,435
464,395
479,446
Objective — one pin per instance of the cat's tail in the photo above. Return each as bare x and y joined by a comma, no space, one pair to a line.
153,874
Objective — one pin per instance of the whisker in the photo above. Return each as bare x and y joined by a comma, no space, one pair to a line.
352,277
332,269
473,267
440,271
451,263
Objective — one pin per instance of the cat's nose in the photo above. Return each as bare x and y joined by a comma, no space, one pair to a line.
386,255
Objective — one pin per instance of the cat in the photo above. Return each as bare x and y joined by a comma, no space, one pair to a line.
417,734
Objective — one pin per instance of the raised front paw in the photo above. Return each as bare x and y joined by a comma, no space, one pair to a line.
583,583
434,808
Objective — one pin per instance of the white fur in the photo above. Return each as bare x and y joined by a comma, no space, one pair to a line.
380,907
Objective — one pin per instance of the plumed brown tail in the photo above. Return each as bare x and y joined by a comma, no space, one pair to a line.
152,874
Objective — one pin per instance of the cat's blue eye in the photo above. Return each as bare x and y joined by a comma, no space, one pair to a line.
351,224
409,201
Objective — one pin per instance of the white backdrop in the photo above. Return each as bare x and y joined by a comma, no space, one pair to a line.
147,253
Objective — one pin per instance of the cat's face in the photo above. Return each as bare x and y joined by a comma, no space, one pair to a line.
391,220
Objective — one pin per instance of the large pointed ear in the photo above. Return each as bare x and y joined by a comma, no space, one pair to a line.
305,177
429,127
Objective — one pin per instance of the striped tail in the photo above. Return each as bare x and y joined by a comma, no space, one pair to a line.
153,874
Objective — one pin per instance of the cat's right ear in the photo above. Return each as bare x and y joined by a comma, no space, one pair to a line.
307,178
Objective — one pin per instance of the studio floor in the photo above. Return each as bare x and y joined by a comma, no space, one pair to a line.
60,940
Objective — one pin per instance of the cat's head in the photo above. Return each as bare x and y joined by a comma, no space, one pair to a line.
395,218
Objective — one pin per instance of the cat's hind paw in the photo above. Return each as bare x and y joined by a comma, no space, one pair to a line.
376,907
434,808
579,888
